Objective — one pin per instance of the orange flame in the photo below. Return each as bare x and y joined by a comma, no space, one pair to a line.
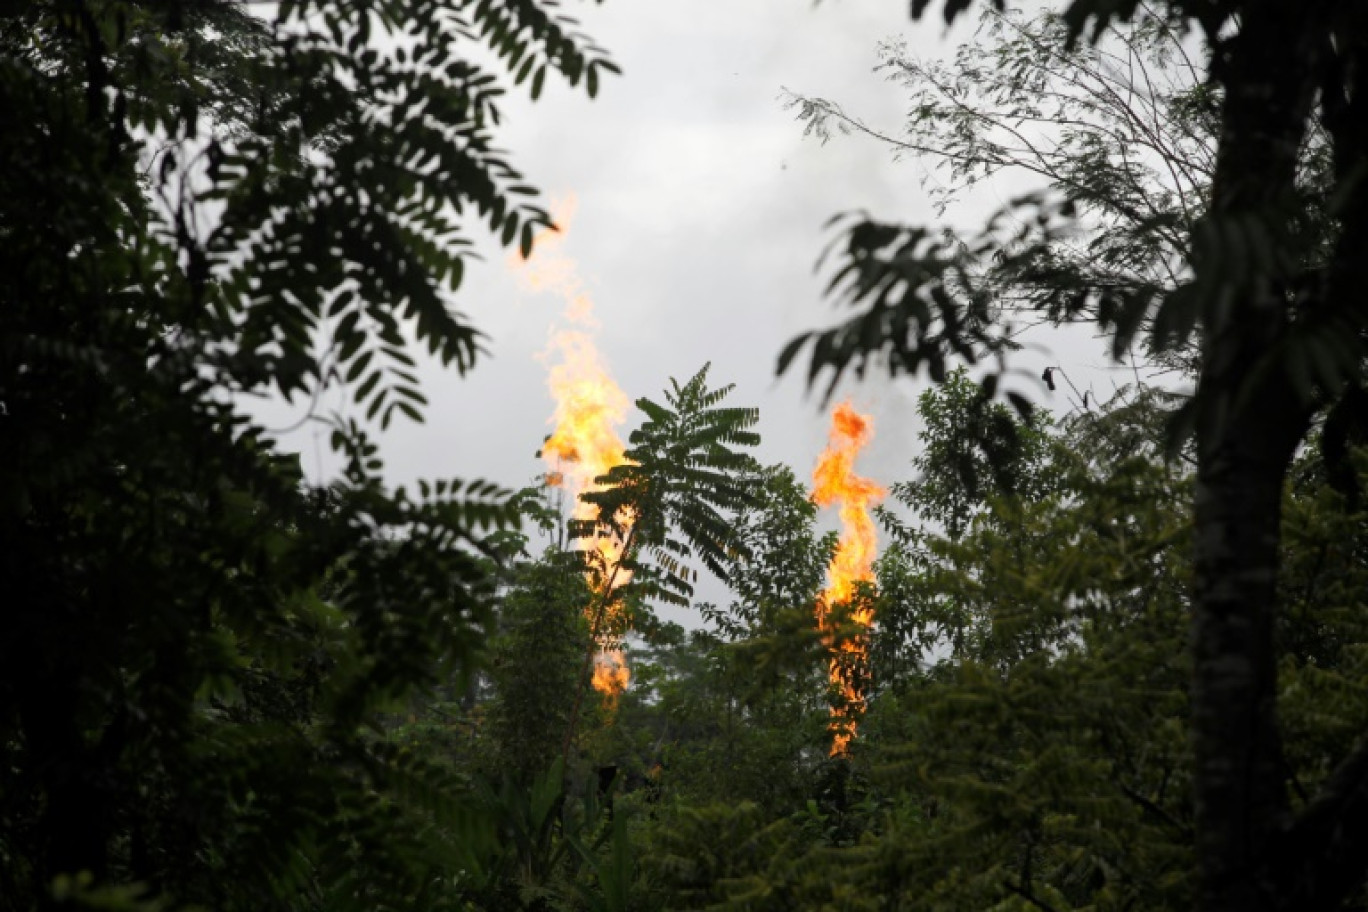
584,443
611,675
835,482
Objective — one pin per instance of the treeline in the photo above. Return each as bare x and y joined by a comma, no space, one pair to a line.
1118,661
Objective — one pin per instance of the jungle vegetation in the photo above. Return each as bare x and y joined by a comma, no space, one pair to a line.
1119,660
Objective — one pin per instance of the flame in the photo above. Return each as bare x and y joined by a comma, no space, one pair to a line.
835,482
584,443
611,675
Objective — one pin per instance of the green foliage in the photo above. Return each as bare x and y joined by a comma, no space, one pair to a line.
976,466
666,500
1026,739
1251,282
1031,749
1025,742
780,560
973,449
719,735
1056,723
680,476
1121,135
534,664
201,206
1321,633
223,688
709,851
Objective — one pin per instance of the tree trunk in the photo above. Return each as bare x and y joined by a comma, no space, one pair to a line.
1250,422
1239,775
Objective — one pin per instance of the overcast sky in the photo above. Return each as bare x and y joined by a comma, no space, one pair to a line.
700,216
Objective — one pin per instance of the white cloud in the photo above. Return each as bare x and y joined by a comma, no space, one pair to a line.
700,216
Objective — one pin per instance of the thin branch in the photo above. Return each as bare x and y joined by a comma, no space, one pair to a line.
1042,165
1158,811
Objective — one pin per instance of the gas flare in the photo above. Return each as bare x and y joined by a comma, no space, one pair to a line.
584,442
611,675
834,482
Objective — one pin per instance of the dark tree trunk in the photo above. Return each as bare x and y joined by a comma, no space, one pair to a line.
1250,424
1240,782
